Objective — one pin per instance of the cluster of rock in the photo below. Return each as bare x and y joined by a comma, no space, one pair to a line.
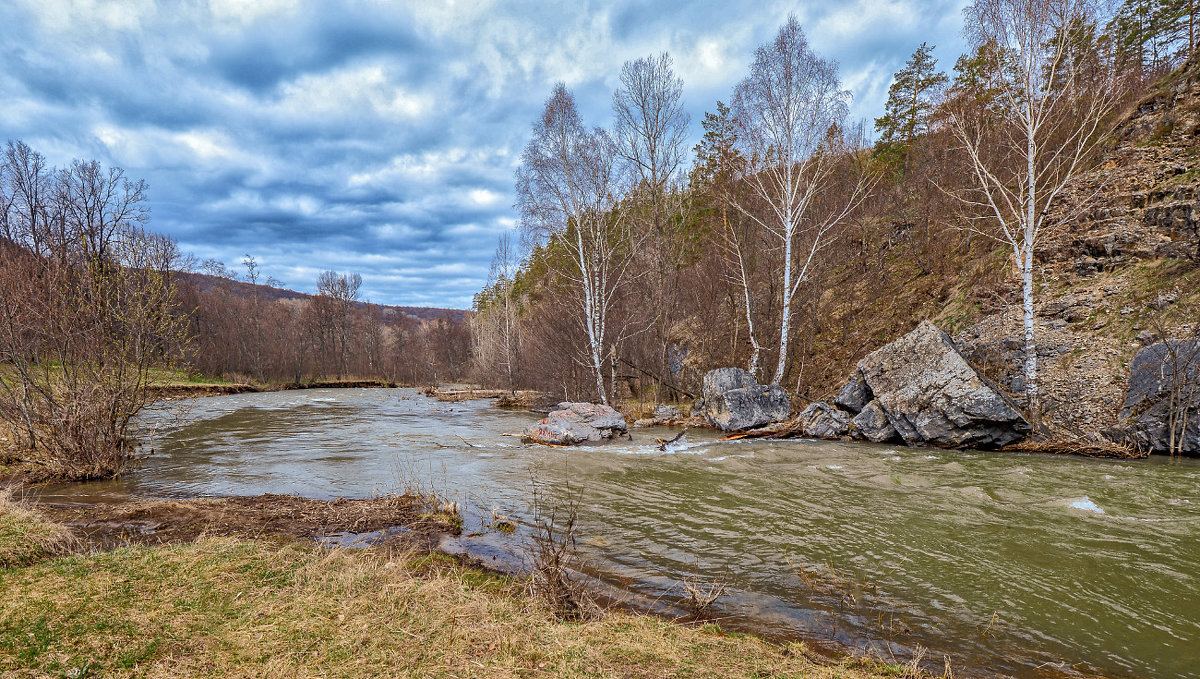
733,401
921,391
1161,412
573,423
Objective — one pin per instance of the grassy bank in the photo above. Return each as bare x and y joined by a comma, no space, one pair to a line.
224,606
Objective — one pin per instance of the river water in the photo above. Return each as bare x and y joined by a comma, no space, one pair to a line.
1027,565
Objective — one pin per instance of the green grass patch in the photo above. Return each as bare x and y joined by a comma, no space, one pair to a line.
227,607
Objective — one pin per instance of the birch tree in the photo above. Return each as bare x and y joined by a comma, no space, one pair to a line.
1040,133
787,113
568,187
497,332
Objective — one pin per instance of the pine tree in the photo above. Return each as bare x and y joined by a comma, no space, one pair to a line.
910,98
1153,35
717,157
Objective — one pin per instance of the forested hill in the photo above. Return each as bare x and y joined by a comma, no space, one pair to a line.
934,221
206,282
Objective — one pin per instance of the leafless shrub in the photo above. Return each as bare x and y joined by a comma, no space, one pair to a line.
554,578
1180,373
700,597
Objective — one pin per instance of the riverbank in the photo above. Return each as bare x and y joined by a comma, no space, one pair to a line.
220,603
175,391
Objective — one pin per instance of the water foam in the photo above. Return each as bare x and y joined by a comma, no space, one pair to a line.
1085,503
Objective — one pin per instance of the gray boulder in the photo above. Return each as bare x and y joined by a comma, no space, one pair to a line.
666,413
733,401
721,380
872,424
855,395
823,421
575,423
931,395
1158,371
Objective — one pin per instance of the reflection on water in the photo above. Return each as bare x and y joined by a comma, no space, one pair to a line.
1023,564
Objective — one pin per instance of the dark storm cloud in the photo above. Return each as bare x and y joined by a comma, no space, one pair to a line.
370,137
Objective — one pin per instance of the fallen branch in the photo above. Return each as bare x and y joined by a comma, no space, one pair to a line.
663,443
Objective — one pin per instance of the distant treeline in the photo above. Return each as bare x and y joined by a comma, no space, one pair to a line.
243,327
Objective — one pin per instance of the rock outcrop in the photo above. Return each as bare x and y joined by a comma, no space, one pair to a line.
666,413
573,423
920,389
931,395
733,400
664,416
1164,394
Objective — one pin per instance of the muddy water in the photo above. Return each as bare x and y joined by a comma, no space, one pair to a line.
1019,564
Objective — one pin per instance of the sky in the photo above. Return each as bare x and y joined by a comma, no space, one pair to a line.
381,137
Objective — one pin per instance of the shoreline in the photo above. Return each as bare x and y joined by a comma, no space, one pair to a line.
172,392
410,526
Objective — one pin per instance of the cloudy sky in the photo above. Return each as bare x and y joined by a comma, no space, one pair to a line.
379,137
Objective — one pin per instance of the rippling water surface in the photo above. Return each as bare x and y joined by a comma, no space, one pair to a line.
1021,564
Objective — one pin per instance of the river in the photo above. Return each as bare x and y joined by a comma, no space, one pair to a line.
1027,565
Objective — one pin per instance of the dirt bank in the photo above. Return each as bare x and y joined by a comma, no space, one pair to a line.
419,521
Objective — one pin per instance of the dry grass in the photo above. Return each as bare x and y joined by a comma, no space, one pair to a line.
230,607
26,536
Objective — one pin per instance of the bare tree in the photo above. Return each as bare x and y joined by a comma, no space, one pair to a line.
339,292
495,323
788,114
1041,133
88,310
651,131
568,191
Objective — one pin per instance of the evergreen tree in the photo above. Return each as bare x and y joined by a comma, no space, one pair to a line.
717,157
910,98
1151,36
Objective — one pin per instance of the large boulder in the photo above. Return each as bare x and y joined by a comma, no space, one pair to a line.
1164,377
931,395
823,421
734,400
872,424
574,423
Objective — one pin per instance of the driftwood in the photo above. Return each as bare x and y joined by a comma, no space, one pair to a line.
663,443
782,430
1087,447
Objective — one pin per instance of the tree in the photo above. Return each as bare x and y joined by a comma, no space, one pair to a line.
88,310
495,324
910,102
718,163
789,113
339,294
568,191
1041,133
650,133
1153,35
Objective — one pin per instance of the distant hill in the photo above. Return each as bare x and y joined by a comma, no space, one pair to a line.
207,282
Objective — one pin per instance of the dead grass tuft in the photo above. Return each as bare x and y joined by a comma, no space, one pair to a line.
26,536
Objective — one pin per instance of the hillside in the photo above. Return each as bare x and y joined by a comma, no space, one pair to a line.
205,282
1123,271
